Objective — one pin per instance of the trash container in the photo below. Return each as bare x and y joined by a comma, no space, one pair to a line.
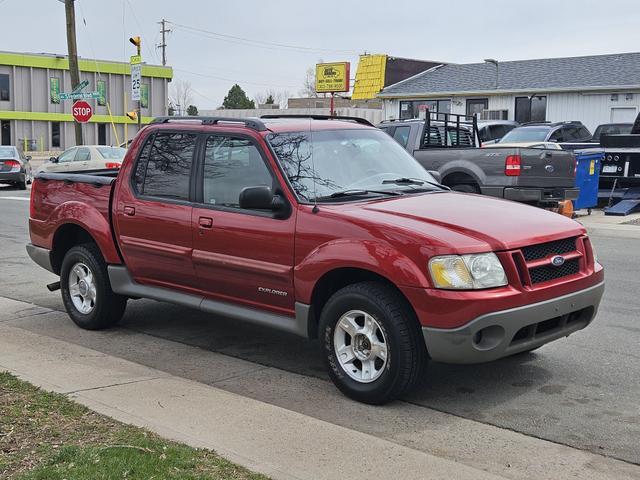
587,177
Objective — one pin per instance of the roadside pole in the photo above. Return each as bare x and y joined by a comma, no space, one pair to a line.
70,15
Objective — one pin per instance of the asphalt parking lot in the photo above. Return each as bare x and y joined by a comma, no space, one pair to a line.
581,391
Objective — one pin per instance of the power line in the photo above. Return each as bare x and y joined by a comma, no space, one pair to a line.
257,43
234,80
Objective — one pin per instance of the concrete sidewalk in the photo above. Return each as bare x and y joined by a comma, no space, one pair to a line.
263,437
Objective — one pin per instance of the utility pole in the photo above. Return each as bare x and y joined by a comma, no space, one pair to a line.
70,15
163,45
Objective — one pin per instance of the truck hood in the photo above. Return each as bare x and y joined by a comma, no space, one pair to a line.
467,222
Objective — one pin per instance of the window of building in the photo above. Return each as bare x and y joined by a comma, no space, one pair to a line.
231,164
4,87
402,135
101,86
164,169
531,109
55,134
54,90
419,108
5,132
475,106
102,134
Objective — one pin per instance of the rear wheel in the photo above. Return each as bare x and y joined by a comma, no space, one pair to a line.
86,291
466,188
371,342
23,184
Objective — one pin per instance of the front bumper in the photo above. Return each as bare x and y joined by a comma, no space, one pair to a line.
540,194
500,334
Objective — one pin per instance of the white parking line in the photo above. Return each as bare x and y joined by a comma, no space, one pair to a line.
25,199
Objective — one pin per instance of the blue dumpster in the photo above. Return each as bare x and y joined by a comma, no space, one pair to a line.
587,177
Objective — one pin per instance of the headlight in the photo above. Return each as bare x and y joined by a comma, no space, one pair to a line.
467,272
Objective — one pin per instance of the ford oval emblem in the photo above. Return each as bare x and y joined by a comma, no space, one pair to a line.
557,261
549,168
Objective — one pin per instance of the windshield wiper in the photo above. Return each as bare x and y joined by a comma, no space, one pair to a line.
354,192
414,181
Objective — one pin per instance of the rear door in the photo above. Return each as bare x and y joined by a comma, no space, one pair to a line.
241,255
546,168
153,212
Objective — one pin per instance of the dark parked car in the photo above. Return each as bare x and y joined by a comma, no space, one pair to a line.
611,129
558,132
491,131
15,167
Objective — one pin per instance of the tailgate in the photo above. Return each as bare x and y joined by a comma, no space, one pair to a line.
546,168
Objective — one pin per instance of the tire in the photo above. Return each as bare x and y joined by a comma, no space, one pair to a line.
396,330
465,188
22,185
101,307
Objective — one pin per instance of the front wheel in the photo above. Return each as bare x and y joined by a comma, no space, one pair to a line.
371,342
86,290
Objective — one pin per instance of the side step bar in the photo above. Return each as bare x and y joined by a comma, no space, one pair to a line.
123,284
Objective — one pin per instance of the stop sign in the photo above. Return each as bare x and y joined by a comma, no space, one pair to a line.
81,111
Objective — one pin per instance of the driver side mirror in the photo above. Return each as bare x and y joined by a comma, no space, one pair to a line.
53,159
259,198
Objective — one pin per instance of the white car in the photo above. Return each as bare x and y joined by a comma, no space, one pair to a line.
85,157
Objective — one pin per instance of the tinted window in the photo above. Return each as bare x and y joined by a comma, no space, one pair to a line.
83,155
559,135
497,132
231,164
168,167
583,134
612,129
4,87
141,166
402,135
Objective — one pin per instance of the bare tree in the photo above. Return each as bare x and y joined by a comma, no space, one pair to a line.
309,84
180,95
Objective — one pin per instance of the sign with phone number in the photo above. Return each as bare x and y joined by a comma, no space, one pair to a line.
332,77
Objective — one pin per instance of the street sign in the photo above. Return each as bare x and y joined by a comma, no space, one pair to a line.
332,77
135,59
79,95
136,80
81,111
80,86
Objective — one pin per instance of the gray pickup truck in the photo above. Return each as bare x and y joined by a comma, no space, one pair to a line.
449,145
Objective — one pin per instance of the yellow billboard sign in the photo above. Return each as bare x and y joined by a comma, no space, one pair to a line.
332,77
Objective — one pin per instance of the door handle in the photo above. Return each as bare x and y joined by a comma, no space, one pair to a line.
205,222
129,211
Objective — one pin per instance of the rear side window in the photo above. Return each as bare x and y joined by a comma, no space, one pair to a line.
402,135
164,166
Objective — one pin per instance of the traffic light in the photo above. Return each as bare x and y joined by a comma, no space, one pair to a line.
132,115
136,41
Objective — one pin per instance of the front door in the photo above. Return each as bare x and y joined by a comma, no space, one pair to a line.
153,216
241,255
64,163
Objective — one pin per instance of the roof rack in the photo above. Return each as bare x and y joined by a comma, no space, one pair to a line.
252,123
362,121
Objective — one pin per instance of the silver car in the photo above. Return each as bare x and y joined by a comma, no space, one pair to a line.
85,157
15,168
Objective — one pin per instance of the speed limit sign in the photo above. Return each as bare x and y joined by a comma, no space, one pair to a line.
136,77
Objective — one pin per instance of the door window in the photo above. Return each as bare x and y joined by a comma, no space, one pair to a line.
83,154
558,136
67,156
164,167
231,164
402,135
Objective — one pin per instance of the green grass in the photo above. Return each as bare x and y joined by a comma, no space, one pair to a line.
45,436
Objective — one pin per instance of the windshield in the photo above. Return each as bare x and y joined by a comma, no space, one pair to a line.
526,134
347,160
112,153
613,129
7,152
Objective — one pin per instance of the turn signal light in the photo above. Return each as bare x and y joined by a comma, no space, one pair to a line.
512,166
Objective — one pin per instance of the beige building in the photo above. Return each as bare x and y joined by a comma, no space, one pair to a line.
34,118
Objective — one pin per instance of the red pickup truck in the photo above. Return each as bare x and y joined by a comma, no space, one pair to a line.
321,227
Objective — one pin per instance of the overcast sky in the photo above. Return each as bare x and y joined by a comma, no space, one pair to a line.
287,37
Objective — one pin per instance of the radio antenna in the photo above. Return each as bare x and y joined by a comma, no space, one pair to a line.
315,208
